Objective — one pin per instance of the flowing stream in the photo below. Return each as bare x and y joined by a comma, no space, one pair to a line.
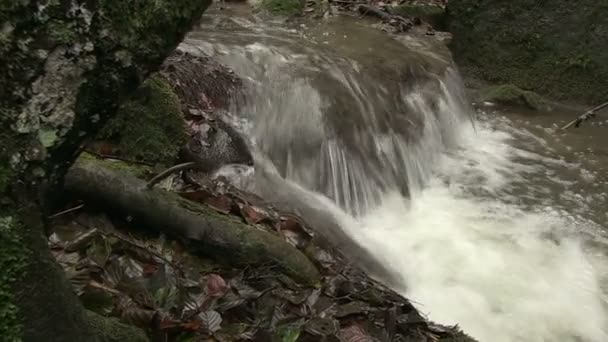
491,218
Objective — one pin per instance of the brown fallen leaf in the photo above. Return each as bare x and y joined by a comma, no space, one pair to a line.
215,286
253,215
221,204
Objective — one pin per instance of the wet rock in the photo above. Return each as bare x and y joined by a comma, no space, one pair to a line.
216,145
509,94
205,90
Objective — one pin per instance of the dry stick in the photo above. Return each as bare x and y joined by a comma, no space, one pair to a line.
159,177
110,156
66,211
576,122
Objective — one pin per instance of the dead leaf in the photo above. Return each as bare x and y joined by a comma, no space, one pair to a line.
229,301
215,286
222,204
322,326
354,333
149,270
253,215
211,320
352,308
82,241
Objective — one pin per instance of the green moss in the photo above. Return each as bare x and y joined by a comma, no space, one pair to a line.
554,49
509,94
137,170
112,330
150,125
61,31
5,175
283,7
13,261
434,15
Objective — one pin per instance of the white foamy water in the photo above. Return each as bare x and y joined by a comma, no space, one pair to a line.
504,274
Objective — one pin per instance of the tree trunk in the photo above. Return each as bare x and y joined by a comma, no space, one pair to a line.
64,68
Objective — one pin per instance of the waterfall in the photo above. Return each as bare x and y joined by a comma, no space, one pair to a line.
381,156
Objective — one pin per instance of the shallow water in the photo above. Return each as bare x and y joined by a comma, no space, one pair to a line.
491,219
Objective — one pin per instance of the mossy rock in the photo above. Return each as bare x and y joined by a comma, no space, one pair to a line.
434,15
508,94
150,125
551,47
288,8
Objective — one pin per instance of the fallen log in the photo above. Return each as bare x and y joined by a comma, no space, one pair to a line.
208,232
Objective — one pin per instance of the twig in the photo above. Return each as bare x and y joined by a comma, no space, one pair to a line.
159,177
66,211
588,115
111,156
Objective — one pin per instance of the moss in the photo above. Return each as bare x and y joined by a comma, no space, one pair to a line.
434,15
13,262
555,49
137,170
150,125
509,94
5,175
62,32
283,7
112,330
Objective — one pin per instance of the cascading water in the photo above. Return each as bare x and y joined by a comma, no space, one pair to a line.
460,217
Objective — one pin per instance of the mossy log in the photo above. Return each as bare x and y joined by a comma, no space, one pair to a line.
210,233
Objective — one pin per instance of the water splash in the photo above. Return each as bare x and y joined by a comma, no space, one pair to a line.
502,273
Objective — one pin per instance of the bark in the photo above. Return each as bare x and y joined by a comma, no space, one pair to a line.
65,66
209,233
